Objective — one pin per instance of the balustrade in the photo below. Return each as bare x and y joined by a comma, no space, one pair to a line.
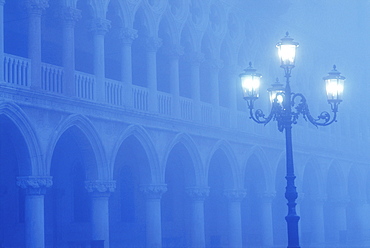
186,108
140,98
52,78
17,70
164,103
84,85
114,92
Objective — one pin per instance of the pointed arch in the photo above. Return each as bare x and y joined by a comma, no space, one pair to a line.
21,121
262,157
312,166
233,166
336,174
191,147
84,125
146,141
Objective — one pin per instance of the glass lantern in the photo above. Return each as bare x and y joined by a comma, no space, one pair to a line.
250,81
334,86
287,51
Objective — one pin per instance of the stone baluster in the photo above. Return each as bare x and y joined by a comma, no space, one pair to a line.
99,27
100,192
153,195
69,18
34,9
234,217
35,190
197,195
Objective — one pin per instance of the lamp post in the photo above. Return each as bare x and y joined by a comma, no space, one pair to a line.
285,110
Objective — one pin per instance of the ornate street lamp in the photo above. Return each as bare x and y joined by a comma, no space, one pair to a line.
285,109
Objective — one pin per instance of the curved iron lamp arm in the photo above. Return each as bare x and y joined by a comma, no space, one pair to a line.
324,119
258,115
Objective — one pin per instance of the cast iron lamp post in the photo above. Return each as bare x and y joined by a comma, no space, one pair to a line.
285,109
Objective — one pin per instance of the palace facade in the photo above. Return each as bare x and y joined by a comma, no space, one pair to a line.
122,124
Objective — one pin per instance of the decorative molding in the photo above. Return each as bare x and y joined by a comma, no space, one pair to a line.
267,197
235,194
127,35
100,26
153,191
175,51
198,193
35,6
152,44
70,15
35,185
100,186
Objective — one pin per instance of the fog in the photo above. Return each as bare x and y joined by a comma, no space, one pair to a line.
123,125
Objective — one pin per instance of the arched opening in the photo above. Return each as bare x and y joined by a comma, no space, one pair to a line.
15,29
185,65
84,47
176,214
127,204
14,161
256,206
163,57
335,207
216,205
139,75
356,223
113,46
68,203
312,219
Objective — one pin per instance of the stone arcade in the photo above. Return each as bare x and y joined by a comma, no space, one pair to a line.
123,121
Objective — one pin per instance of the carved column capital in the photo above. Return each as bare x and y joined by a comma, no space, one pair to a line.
98,187
127,35
198,193
267,197
70,15
100,26
35,6
235,194
153,191
152,44
35,185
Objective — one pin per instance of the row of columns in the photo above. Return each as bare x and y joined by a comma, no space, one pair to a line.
35,189
99,27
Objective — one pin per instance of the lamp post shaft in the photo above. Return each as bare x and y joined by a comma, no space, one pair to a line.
290,191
